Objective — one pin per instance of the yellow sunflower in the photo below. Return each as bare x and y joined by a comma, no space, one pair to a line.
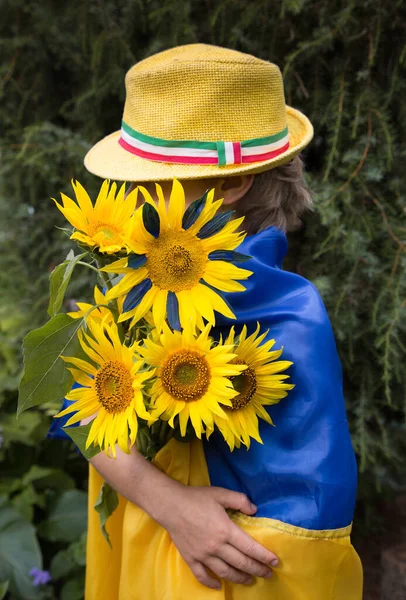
105,225
182,261
155,333
100,314
193,378
112,385
261,384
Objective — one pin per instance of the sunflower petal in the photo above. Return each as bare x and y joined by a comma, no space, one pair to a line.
220,304
143,307
183,420
172,308
135,295
81,377
176,207
215,225
80,364
150,219
135,261
127,283
163,216
196,418
193,211
82,198
159,309
229,256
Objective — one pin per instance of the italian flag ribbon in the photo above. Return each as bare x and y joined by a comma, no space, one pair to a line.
203,153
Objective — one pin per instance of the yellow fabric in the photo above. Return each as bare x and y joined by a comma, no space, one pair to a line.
203,93
145,565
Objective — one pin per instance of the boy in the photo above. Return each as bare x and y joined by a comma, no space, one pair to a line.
216,118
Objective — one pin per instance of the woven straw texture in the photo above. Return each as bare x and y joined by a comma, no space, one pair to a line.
204,93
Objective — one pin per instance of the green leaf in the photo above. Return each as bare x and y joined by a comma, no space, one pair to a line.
26,430
69,560
73,589
68,518
45,376
77,550
25,501
145,444
79,436
47,477
59,280
35,473
61,565
3,589
105,505
19,552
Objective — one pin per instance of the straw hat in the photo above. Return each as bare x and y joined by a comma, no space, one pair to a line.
200,111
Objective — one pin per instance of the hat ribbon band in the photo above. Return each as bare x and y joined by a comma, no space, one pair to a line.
203,153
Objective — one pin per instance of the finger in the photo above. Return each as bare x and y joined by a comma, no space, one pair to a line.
248,546
244,563
235,500
226,571
203,577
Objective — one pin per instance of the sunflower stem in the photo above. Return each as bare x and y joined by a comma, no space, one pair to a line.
145,443
165,433
85,264
107,285
106,282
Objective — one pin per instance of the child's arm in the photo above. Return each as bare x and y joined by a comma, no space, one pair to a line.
195,518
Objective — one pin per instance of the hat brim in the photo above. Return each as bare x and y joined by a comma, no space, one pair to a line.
107,159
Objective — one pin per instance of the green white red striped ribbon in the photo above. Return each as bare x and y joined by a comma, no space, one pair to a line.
203,153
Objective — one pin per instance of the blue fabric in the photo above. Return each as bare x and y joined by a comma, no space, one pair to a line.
305,473
55,431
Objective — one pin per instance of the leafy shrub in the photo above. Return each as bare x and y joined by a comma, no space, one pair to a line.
61,89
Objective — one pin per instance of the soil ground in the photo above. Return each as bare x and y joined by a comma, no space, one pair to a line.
370,554
392,531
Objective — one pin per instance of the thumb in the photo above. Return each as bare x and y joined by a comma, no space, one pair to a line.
235,500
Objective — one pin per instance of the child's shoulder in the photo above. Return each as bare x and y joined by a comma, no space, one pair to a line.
273,289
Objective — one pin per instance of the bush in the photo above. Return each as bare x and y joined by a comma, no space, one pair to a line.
62,89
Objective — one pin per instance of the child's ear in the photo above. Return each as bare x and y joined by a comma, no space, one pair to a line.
232,189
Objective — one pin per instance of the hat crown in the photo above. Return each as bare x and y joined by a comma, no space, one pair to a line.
205,93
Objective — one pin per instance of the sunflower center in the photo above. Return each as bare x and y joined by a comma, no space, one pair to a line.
186,375
245,384
176,261
108,231
180,261
113,384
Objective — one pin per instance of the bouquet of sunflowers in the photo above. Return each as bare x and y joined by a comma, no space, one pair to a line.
146,359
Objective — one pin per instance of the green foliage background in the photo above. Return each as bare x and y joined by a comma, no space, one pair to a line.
61,89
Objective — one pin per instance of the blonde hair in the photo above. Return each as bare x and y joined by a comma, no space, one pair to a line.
277,197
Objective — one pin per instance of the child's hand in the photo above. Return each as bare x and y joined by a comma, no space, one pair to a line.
195,518
206,537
